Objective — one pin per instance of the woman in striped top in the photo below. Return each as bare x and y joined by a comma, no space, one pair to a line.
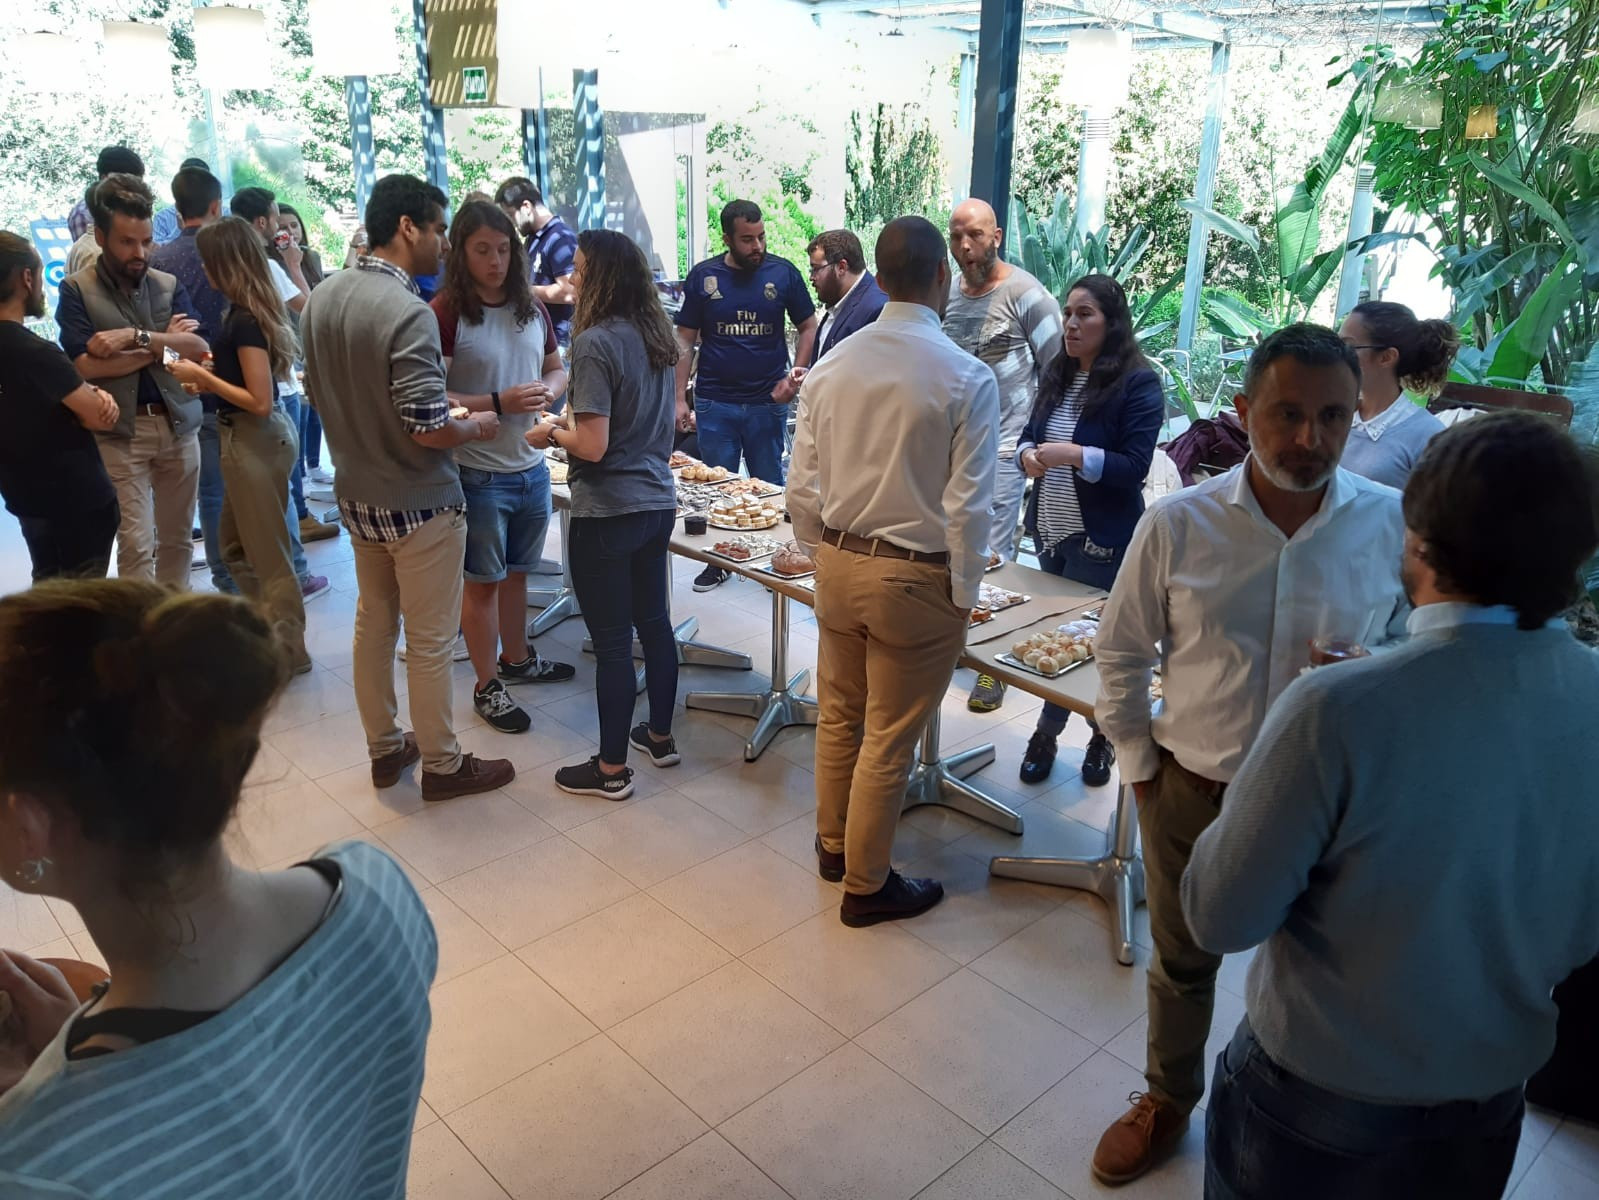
1088,447
262,1032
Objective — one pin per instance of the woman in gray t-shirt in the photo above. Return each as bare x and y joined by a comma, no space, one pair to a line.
624,501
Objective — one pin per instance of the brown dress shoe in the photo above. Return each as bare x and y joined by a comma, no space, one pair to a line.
829,866
1138,1140
474,775
386,770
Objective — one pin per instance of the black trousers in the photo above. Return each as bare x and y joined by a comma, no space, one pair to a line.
73,544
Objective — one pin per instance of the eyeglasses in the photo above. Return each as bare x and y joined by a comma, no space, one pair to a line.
816,269
1352,346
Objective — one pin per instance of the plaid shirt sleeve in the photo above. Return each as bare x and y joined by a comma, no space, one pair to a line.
417,374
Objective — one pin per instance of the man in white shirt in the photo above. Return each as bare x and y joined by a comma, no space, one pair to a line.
1224,586
889,489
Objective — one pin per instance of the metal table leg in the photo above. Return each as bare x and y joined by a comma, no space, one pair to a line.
939,781
1116,877
777,708
563,601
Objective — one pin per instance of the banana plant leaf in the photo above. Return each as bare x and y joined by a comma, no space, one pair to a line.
1227,226
1526,339
1234,317
1307,282
1512,183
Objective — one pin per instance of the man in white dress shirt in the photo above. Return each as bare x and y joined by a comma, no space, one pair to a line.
1224,587
889,488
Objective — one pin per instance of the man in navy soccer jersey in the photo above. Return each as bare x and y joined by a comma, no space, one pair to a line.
734,307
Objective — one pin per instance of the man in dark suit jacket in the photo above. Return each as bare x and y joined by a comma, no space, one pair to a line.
845,286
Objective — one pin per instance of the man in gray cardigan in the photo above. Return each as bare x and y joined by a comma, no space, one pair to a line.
373,362
1419,890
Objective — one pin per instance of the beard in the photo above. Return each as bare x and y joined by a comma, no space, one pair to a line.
747,262
1408,578
35,305
130,272
977,273
1298,477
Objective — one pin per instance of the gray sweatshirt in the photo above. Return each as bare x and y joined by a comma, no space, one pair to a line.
1415,838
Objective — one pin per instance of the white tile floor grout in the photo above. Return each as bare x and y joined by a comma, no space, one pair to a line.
656,998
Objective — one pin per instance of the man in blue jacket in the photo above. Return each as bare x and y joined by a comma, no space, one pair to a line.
845,286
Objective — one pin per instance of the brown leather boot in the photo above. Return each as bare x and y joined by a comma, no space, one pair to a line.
1138,1140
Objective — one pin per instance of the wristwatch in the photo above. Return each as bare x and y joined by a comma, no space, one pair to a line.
141,338
494,398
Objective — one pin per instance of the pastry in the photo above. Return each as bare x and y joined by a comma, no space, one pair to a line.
679,459
791,560
1048,664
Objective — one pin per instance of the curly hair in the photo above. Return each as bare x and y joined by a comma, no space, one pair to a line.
1426,348
616,282
459,291
234,258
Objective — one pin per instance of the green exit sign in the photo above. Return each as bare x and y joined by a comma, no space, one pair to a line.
475,85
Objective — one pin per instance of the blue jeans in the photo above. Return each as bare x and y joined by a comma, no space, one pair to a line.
210,507
621,576
295,407
1270,1134
310,437
1076,558
507,516
754,431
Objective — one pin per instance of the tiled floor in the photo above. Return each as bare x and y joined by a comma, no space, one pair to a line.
656,999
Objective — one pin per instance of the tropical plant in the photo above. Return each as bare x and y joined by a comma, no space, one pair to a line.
1052,250
1510,189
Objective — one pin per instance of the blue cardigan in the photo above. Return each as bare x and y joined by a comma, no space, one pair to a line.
1125,426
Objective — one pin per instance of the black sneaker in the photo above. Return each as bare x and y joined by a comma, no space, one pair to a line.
662,754
1040,757
1098,759
586,779
534,669
494,705
710,579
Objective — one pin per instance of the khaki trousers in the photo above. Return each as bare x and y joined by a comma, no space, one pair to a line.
257,455
418,578
157,477
889,639
1177,808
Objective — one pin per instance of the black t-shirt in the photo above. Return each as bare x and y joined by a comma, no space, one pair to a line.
49,463
239,328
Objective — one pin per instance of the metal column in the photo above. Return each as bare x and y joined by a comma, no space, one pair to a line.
589,122
1093,172
968,104
1350,284
999,59
358,103
1204,194
438,168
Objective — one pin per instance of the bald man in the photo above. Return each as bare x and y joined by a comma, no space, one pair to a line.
1005,317
890,487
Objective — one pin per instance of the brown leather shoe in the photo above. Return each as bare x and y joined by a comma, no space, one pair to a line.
1137,1141
386,771
474,775
829,866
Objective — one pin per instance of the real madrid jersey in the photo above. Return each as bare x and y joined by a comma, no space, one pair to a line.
743,350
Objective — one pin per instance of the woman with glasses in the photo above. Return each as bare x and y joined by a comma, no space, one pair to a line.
1397,354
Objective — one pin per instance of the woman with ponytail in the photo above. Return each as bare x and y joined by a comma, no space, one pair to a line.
1397,354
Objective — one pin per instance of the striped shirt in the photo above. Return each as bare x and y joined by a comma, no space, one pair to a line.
1059,515
305,1087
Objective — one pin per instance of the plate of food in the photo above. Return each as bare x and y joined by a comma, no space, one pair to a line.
981,615
744,512
749,487
680,460
997,599
700,473
791,562
1054,653
558,471
745,547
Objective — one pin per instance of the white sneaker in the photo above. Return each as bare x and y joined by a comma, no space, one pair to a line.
320,475
458,653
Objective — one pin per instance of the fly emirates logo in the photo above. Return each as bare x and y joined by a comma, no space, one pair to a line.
747,324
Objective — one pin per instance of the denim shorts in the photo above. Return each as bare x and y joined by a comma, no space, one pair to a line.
507,515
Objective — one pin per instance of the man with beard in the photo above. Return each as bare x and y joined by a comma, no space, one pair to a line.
842,282
1224,587
733,306
1005,317
51,475
1419,893
118,318
551,251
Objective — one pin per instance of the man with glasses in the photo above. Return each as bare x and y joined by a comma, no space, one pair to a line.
842,283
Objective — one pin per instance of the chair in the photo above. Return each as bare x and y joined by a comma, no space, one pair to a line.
1487,399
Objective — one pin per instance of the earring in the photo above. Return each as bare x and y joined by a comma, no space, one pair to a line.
32,872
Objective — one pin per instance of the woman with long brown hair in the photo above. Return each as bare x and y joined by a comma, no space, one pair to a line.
624,500
255,348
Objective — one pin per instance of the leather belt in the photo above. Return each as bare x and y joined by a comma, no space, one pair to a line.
878,548
159,408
